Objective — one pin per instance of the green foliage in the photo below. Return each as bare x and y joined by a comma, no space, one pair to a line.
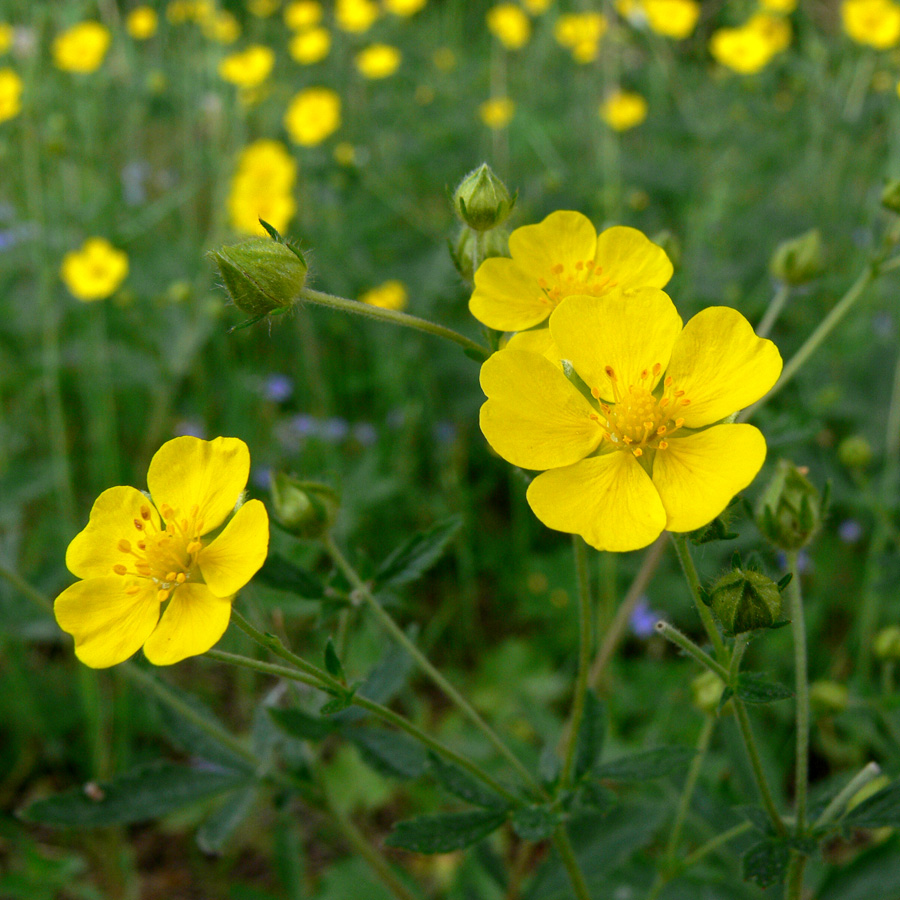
444,832
416,555
660,762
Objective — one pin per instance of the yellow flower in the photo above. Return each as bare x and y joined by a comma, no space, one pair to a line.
302,14
310,46
262,9
775,29
580,33
356,16
537,7
10,94
390,295
558,258
221,27
249,68
781,7
262,188
136,555
142,22
404,7
744,50
509,25
623,110
672,18
313,115
497,112
7,33
81,48
646,454
872,22
95,271
378,61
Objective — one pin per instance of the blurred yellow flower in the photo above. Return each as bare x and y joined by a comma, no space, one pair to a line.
644,453
581,33
344,154
782,7
95,271
355,16
509,24
378,61
142,23
497,112
302,14
775,29
672,18
262,9
310,46
222,27
872,22
404,7
262,188
623,110
537,7
10,94
313,115
81,48
249,68
390,295
180,11
7,33
744,50
136,554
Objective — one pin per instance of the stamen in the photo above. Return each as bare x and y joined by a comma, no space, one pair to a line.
119,569
662,445
181,578
139,524
637,451
124,546
657,368
170,576
145,513
162,595
610,373
132,590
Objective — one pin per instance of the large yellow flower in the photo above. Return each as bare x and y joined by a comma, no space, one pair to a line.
644,448
136,555
557,258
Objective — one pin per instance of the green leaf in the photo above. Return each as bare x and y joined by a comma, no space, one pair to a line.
300,724
591,735
757,817
753,688
417,554
461,784
278,573
389,752
332,661
766,863
144,793
659,762
444,832
224,821
338,704
878,811
535,823
594,796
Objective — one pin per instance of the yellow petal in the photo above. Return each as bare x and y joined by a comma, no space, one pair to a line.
236,555
188,472
698,474
506,297
194,620
538,340
631,259
108,625
534,416
721,365
563,238
95,550
609,500
629,332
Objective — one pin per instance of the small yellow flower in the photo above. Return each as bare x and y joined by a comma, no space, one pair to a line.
313,115
10,94
378,61
390,295
404,7
355,16
81,48
262,188
775,29
537,7
179,11
142,23
780,7
249,68
556,259
744,50
221,27
137,554
672,18
509,24
7,33
872,22
302,14
262,9
95,271
497,112
581,33
623,110
649,452
310,46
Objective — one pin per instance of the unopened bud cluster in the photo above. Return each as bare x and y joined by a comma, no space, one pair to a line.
790,509
798,260
304,508
744,600
482,200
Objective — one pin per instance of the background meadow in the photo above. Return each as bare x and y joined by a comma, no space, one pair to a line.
145,133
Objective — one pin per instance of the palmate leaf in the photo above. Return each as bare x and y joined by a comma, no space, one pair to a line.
444,832
416,555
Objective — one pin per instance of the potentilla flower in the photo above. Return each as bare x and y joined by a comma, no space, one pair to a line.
872,22
497,112
301,14
81,48
378,61
311,46
10,94
623,110
95,271
557,258
390,295
672,18
142,22
313,115
509,24
249,68
648,448
169,552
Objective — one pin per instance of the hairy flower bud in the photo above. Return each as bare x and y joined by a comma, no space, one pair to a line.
798,260
744,600
462,250
790,510
304,508
482,200
887,643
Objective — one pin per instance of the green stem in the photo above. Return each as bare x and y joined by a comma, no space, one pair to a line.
670,633
718,841
798,626
793,882
32,593
567,854
394,318
868,773
584,659
776,305
759,774
247,662
450,692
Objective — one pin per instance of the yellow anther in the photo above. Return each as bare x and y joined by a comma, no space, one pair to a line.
657,368
679,423
170,576
558,269
119,569
661,430
142,545
145,513
637,450
664,403
663,444
610,373
181,578
162,596
139,524
685,402
194,546
132,590
668,381
124,546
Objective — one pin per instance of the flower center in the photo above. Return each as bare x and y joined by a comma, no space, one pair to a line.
167,557
637,419
585,277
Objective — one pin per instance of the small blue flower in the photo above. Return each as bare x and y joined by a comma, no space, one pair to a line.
643,619
850,531
277,388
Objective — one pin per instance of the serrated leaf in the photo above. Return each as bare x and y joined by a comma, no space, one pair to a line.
417,554
753,688
659,762
461,784
444,832
332,661
881,810
147,792
279,573
590,735
535,823
222,823
300,724
389,752
766,863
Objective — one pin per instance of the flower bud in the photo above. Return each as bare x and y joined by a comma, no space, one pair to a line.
890,196
855,452
887,643
828,697
706,692
462,250
304,508
262,276
798,260
790,510
482,200
744,600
